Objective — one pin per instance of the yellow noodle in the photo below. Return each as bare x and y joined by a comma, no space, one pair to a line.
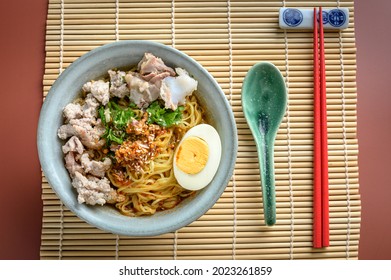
155,187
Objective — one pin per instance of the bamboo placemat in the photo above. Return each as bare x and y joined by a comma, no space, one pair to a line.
227,37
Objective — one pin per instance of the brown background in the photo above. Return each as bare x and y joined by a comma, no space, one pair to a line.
22,56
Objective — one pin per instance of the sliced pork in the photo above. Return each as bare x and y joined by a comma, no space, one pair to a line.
118,86
142,93
90,107
65,131
72,165
72,111
89,135
99,89
73,145
152,64
92,190
93,167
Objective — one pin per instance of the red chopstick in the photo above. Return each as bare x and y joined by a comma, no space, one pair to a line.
325,161
317,196
320,196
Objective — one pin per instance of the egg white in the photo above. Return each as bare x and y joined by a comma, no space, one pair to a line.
200,180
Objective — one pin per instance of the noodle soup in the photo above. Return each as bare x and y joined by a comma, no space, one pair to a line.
121,135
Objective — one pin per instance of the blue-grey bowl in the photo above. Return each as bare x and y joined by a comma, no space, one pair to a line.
95,64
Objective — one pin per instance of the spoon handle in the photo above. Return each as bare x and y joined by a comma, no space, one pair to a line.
266,164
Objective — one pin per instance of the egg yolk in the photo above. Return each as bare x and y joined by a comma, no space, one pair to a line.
192,155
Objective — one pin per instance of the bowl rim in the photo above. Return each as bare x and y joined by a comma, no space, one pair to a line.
45,164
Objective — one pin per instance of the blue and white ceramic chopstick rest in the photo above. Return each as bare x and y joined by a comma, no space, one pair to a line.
302,18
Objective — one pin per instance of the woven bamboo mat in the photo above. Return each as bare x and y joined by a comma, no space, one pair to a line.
227,37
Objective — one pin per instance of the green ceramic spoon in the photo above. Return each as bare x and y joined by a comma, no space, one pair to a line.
264,101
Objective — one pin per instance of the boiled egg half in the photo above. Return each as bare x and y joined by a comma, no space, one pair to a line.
197,157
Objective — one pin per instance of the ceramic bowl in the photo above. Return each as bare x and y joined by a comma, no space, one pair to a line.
94,65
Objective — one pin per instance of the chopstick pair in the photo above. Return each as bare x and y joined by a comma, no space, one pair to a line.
321,188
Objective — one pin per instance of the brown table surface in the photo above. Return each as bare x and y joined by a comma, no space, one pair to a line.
22,64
